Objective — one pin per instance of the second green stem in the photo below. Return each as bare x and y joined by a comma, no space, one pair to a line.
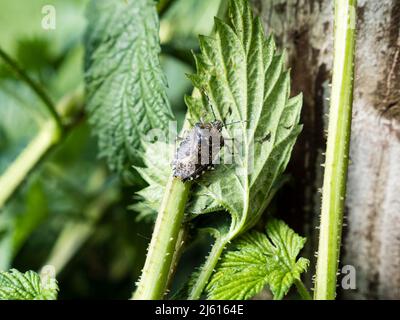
337,151
49,135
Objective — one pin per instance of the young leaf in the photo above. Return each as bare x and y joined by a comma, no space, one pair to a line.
15,285
126,88
259,260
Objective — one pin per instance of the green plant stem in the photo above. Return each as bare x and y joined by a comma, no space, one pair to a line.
207,269
17,171
34,86
154,278
49,135
302,290
334,186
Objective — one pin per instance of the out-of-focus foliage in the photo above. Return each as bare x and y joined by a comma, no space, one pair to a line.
21,24
52,58
186,19
72,212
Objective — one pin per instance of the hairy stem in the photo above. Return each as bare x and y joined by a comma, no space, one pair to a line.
207,269
335,176
48,136
154,278
34,86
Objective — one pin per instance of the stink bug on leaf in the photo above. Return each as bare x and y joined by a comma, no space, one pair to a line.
198,150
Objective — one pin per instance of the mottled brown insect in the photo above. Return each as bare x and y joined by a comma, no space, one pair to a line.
198,151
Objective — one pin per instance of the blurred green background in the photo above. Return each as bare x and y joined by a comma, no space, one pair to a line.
72,212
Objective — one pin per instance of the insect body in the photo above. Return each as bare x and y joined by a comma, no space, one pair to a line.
198,150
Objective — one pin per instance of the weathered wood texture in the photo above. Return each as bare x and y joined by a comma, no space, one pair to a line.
372,235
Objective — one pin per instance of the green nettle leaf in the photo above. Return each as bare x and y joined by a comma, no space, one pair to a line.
258,260
15,285
126,88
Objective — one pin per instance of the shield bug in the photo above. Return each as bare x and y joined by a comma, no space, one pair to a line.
198,150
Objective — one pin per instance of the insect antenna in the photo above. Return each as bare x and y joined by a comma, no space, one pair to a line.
210,106
212,109
213,112
234,122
